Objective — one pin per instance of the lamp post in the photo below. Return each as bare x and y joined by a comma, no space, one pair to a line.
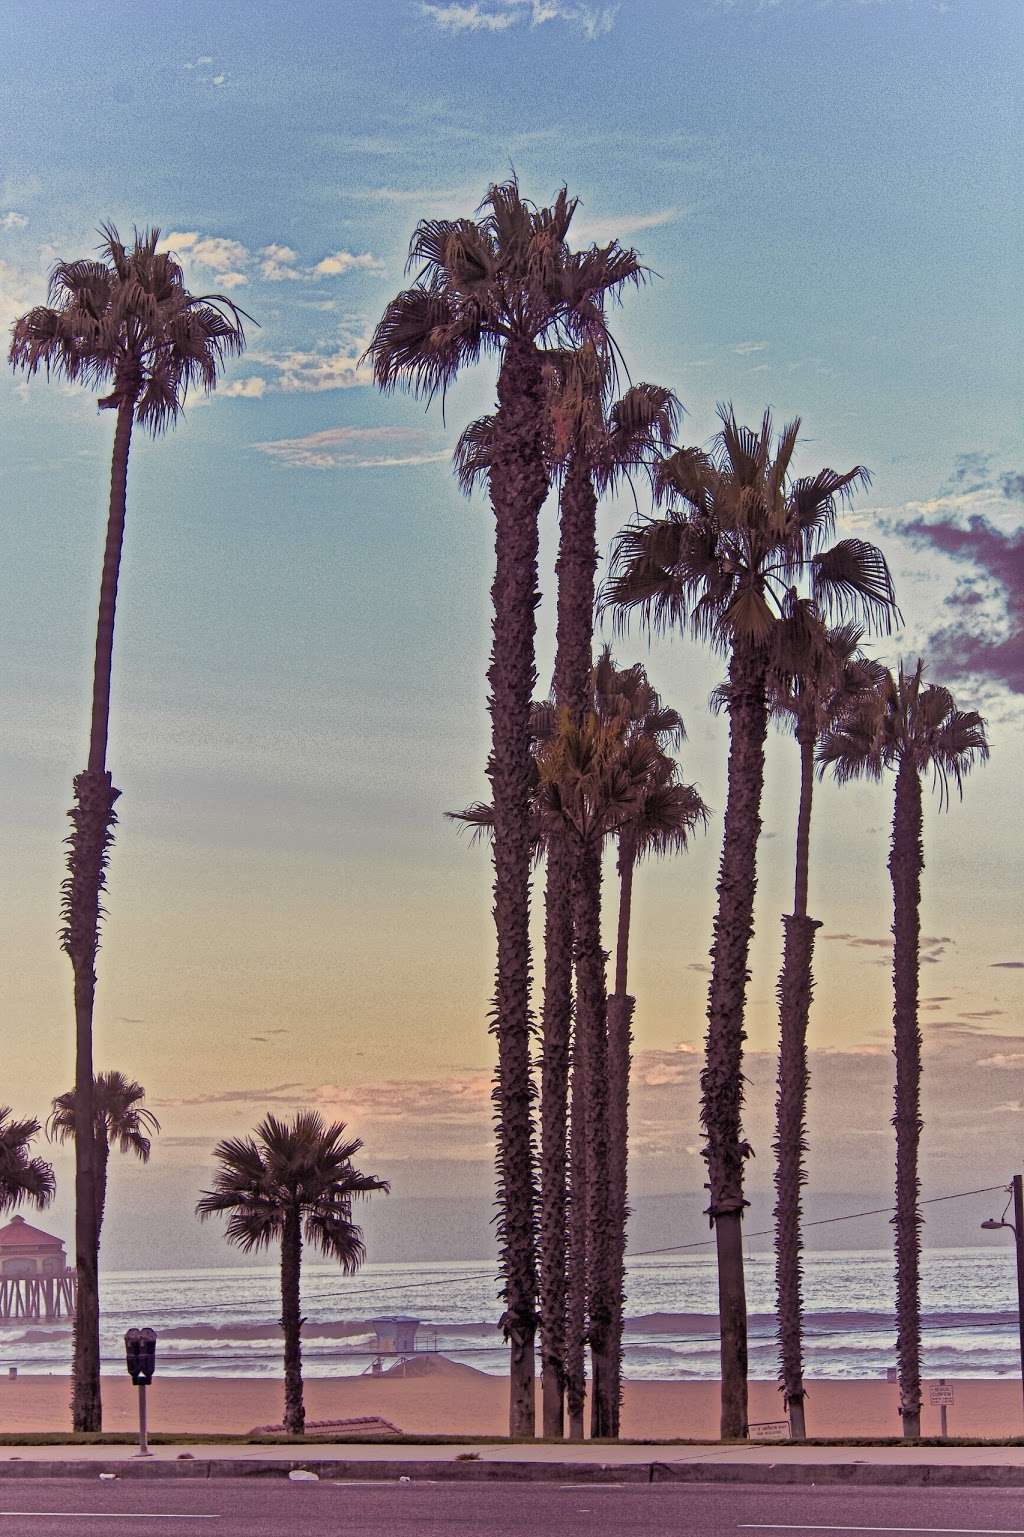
1016,1191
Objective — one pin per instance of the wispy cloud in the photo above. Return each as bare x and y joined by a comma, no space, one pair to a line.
12,220
355,448
499,15
746,348
205,71
298,372
620,226
252,388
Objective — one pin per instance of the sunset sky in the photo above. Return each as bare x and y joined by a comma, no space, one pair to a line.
827,193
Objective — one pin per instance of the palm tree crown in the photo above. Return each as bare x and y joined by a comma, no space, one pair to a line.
129,318
303,1168
737,534
507,276
907,721
22,1177
122,1120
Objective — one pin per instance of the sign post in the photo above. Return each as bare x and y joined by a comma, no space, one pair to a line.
941,1393
140,1353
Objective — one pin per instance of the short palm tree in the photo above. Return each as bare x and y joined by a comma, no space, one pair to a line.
126,320
289,1182
910,729
508,284
738,533
592,446
22,1177
821,676
120,1120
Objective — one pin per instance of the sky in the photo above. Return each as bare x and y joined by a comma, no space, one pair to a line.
826,193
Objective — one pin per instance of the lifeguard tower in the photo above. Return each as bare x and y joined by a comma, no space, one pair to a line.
396,1336
35,1283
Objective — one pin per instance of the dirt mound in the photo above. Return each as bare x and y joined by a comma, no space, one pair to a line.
430,1364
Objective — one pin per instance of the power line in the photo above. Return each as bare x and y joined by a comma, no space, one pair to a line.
850,1216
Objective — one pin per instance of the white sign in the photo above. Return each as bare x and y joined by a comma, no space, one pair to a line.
940,1393
770,1430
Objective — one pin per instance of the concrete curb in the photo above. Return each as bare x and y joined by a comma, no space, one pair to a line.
989,1475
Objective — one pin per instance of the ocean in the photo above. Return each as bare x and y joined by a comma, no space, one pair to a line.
222,1322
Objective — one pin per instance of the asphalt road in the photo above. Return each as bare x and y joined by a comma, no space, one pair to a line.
266,1508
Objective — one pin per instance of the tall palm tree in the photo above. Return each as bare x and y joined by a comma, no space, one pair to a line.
910,729
22,1177
128,320
592,446
120,1118
661,822
737,534
290,1181
590,780
508,284
819,676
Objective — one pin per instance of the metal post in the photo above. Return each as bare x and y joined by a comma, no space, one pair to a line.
144,1450
943,1421
1018,1238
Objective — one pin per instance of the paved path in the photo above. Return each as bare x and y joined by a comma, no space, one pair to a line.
45,1508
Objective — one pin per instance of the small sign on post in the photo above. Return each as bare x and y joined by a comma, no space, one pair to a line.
941,1393
769,1430
140,1354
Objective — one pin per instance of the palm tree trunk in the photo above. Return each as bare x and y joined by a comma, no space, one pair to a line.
93,821
620,1040
102,1160
592,1034
575,569
795,988
576,1291
722,1076
518,482
554,1089
906,862
292,1321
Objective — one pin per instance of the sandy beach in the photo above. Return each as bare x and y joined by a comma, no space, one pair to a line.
456,1399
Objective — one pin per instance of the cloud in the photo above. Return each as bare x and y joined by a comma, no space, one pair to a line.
234,264
619,226
16,293
300,372
499,15
1002,1059
251,388
12,220
1009,965
745,348
202,70
983,638
346,261
355,448
276,1094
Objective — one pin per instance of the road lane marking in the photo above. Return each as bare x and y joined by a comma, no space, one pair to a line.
115,1515
922,1531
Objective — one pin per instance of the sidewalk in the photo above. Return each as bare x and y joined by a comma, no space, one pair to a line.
977,1465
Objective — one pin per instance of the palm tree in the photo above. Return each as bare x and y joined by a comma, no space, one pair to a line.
820,674
22,1177
912,730
288,1182
120,1118
507,284
592,446
661,822
738,532
129,320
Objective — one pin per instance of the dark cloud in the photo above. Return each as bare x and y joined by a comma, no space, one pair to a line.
277,1094
1010,965
1012,485
969,645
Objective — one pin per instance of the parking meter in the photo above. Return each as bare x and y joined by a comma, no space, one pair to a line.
140,1354
140,1350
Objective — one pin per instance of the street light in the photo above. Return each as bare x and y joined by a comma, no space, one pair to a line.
1015,1190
